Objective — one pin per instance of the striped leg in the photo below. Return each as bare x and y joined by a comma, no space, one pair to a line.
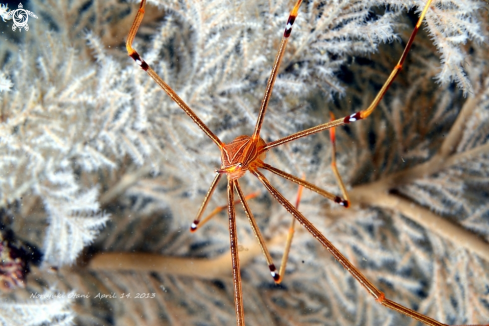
290,235
273,271
345,202
277,276
332,136
306,184
276,66
198,223
371,289
195,223
133,54
233,236
362,114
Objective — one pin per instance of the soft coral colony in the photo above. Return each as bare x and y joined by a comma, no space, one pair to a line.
77,119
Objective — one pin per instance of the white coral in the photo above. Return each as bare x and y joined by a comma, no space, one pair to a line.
74,125
49,307
451,25
5,83
4,12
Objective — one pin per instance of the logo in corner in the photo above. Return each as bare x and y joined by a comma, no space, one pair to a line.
19,16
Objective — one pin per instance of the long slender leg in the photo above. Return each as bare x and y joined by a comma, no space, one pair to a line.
291,232
362,114
332,136
207,197
305,184
290,236
371,289
133,54
220,209
259,236
277,277
276,66
233,236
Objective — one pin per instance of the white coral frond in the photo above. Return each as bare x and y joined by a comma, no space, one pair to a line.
73,224
5,83
48,307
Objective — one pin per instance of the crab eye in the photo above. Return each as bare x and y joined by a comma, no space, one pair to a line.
240,165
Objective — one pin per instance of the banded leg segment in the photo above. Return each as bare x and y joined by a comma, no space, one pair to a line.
332,136
365,113
306,184
195,223
315,232
290,236
233,237
362,114
219,209
273,271
276,65
277,276
168,90
371,289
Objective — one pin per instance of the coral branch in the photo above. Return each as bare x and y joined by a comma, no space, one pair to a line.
194,267
462,238
455,134
124,183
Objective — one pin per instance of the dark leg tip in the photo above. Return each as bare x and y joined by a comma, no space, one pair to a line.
275,275
344,203
193,227
277,278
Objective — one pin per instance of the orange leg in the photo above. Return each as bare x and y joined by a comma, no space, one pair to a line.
216,211
371,289
344,202
306,184
276,65
277,276
332,136
259,236
252,165
362,114
207,197
198,222
233,237
139,60
290,236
